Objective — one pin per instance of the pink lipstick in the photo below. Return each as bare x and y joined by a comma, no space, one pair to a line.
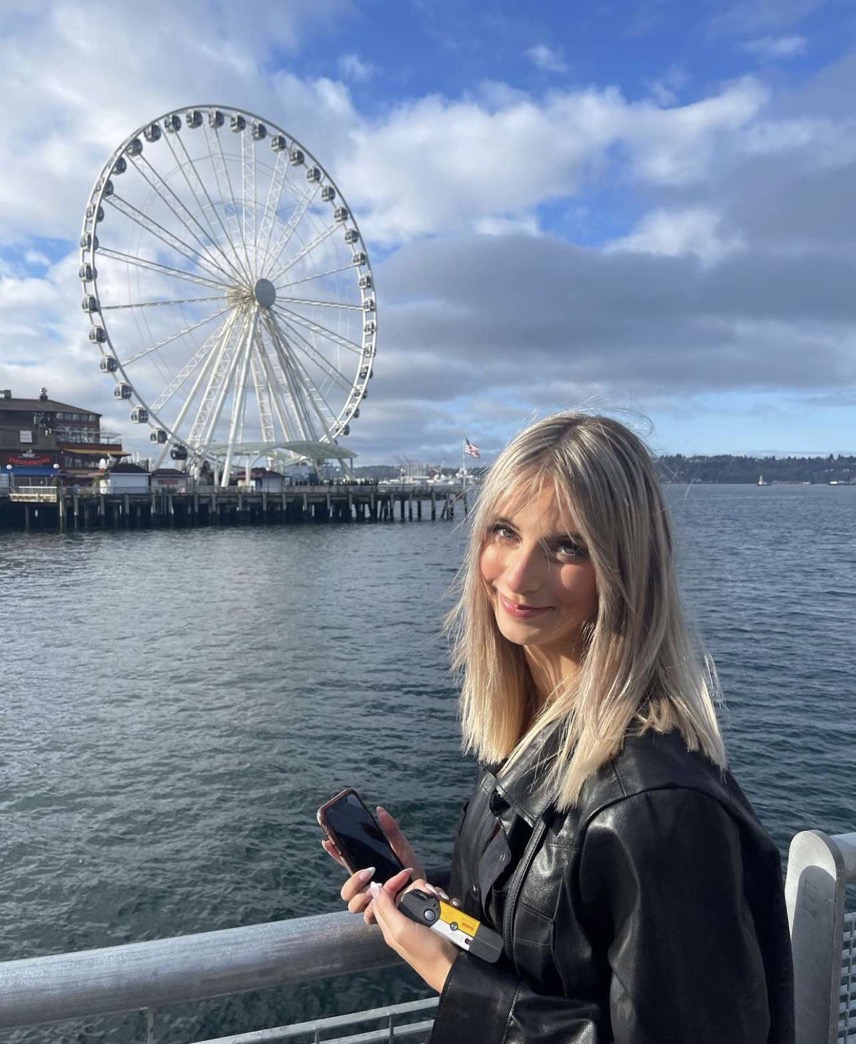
522,611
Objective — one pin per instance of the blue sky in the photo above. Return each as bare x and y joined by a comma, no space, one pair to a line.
648,208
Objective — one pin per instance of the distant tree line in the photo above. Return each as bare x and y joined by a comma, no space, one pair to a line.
721,469
727,469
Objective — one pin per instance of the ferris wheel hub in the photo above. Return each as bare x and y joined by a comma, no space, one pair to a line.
265,292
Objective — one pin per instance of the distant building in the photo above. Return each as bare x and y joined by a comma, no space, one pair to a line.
125,478
42,438
169,479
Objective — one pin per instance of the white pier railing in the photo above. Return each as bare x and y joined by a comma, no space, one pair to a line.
823,936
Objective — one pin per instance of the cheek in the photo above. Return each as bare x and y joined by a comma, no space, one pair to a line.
489,564
580,591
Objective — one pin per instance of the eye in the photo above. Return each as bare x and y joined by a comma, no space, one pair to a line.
501,531
571,550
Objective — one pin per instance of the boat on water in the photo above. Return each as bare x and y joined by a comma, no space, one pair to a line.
762,481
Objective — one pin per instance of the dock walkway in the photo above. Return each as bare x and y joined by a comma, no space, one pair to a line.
38,507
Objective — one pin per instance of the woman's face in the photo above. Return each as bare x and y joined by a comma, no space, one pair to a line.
539,578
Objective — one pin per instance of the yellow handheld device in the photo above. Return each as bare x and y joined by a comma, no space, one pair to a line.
453,924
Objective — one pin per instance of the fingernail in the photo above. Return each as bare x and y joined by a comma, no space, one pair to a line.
375,889
407,870
380,809
367,874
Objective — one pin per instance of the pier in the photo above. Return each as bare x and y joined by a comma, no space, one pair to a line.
64,509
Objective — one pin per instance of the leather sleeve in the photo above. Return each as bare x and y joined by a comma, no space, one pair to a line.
663,873
661,886
483,1004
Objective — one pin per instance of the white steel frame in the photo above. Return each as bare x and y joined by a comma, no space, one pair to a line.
234,231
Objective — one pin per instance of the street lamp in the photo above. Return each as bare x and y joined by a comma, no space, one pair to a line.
11,476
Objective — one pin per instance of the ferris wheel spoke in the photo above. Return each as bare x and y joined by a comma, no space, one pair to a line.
278,181
310,246
155,266
295,391
315,275
239,399
321,304
195,190
277,384
288,230
263,397
208,416
300,394
206,353
248,193
176,336
150,225
316,395
299,342
224,184
159,304
162,187
324,331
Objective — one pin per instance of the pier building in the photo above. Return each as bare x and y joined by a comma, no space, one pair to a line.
39,438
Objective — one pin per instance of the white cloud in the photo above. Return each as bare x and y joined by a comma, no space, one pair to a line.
696,230
773,47
436,164
502,226
744,253
546,58
353,68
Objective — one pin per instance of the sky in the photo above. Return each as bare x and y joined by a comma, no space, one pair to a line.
646,209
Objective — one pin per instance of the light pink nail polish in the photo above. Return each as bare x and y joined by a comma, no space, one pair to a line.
375,889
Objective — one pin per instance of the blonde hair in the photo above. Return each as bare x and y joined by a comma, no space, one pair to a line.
641,669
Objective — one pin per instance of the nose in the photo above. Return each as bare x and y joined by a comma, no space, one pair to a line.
524,569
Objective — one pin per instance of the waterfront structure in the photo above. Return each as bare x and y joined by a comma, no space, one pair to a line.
112,506
41,439
242,322
124,477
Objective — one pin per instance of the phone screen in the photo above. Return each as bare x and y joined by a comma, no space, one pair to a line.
359,838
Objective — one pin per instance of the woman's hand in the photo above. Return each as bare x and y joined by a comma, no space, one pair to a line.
355,890
427,953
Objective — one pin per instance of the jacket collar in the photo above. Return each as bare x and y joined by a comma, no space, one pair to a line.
523,785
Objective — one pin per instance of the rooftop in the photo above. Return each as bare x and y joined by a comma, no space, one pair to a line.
9,402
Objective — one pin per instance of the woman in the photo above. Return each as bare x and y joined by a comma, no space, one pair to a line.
639,899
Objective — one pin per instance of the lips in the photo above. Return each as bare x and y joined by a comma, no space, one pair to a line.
522,611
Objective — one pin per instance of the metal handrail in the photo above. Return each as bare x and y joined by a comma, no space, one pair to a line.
819,870
188,968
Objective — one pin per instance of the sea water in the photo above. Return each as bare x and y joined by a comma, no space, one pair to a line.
176,705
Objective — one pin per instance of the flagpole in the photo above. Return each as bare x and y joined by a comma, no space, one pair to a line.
464,464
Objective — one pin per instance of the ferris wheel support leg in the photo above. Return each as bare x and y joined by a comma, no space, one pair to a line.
240,394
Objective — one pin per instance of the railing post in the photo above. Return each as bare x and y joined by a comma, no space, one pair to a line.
818,869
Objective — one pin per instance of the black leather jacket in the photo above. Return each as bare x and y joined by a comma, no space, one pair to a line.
652,913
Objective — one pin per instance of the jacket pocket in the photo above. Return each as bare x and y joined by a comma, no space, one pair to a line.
532,943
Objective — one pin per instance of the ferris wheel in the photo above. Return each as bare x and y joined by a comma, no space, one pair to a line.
229,290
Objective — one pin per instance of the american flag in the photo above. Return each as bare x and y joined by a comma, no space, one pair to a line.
473,451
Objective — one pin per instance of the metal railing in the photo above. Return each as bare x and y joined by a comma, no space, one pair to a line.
150,975
823,936
34,494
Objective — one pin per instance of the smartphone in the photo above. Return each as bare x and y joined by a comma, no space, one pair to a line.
358,836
